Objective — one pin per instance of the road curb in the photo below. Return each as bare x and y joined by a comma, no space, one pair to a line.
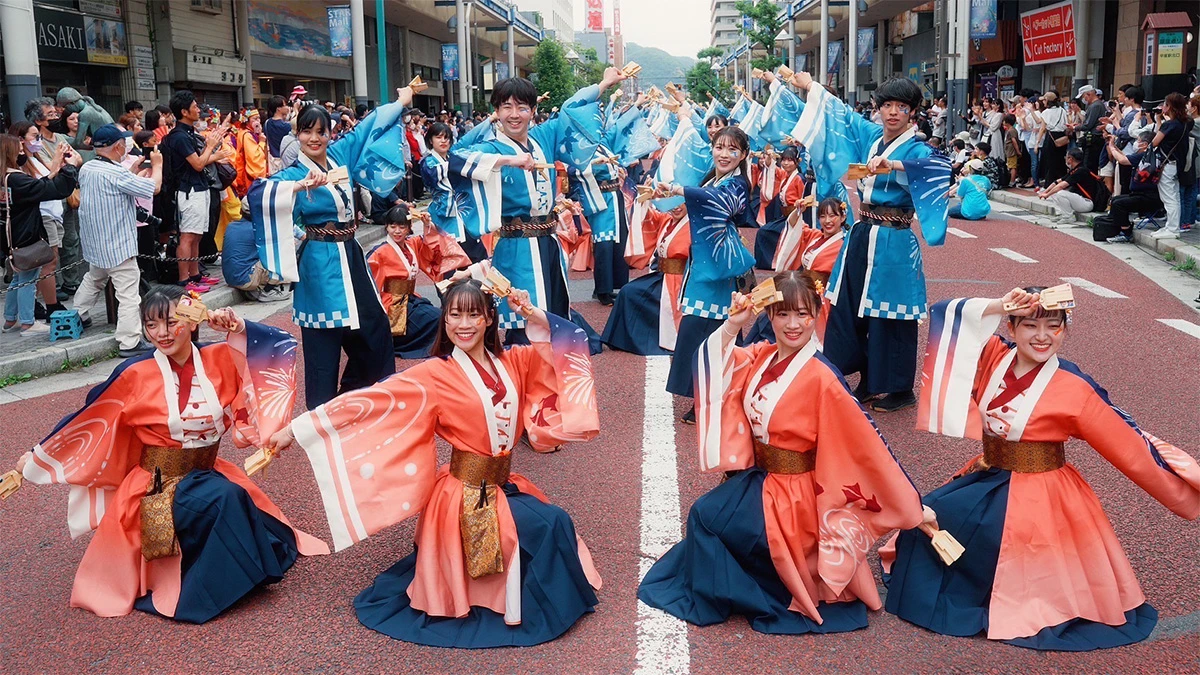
49,360
1176,251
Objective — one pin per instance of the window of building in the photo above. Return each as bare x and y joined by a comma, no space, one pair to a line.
427,73
209,6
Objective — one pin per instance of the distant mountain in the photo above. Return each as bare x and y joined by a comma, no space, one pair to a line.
658,67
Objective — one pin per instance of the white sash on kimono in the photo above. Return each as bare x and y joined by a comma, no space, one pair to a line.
1011,424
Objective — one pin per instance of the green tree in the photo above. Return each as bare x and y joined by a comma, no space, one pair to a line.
702,80
589,70
552,73
711,54
765,28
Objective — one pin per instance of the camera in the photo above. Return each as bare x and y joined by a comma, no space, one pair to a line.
144,216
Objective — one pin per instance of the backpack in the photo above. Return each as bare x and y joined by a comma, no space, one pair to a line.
1100,199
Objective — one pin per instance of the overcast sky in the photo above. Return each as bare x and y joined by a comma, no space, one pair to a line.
679,27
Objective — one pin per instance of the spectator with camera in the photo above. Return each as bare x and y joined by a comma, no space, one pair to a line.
188,155
24,247
108,218
1138,194
44,115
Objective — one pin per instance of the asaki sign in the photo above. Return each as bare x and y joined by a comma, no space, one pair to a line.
1048,34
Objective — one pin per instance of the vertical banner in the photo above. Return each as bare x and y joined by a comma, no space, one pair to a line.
801,63
501,70
983,19
449,61
866,46
594,21
989,86
339,30
835,57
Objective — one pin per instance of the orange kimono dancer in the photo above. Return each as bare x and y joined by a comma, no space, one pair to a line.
413,320
645,318
784,540
1043,568
502,568
179,532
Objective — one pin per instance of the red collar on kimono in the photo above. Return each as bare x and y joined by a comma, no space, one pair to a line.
775,371
1013,385
186,372
494,384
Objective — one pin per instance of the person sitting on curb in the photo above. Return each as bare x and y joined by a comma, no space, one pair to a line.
987,166
1136,196
1074,192
240,264
969,196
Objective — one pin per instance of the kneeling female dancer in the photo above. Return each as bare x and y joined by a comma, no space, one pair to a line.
1043,568
180,532
783,541
495,563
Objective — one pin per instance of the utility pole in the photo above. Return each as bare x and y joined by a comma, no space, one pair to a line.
850,55
823,57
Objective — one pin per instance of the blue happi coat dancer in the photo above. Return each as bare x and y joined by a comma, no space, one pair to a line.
877,287
718,256
514,194
598,187
450,208
335,301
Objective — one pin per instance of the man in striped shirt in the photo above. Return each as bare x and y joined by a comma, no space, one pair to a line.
108,232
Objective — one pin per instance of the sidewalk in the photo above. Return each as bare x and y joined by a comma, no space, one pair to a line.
1175,251
37,356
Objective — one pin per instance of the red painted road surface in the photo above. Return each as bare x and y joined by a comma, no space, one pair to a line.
306,623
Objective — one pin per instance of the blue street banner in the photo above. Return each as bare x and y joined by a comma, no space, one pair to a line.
747,23
449,61
866,46
801,63
501,70
983,19
339,30
835,57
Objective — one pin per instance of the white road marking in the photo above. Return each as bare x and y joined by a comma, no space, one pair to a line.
1093,288
662,645
1185,326
1013,255
961,234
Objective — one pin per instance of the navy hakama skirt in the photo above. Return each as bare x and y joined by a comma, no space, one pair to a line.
723,566
633,323
555,592
766,241
421,331
693,331
953,600
229,547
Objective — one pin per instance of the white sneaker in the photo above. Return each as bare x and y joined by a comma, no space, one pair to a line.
38,328
1164,233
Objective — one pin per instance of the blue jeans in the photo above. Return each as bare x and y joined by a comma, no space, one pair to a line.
18,304
1033,162
1187,209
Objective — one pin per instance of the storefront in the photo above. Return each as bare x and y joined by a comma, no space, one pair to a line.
290,46
215,79
82,44
994,63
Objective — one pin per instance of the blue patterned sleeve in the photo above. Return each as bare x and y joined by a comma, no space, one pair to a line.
718,252
372,150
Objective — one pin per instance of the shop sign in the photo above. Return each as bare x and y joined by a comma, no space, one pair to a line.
983,19
1170,53
102,7
339,30
215,69
449,61
1006,72
105,41
145,85
1048,34
1149,53
594,21
59,35
989,86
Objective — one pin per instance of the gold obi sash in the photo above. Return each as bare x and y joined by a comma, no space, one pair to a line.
777,460
399,289
672,265
1022,456
479,523
167,466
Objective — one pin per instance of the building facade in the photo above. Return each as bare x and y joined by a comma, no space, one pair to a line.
725,23
558,17
235,53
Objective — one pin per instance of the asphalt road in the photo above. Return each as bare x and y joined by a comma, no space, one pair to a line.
628,491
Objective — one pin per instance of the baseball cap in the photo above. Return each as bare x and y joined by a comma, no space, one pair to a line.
1085,89
963,136
108,135
975,164
1050,97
